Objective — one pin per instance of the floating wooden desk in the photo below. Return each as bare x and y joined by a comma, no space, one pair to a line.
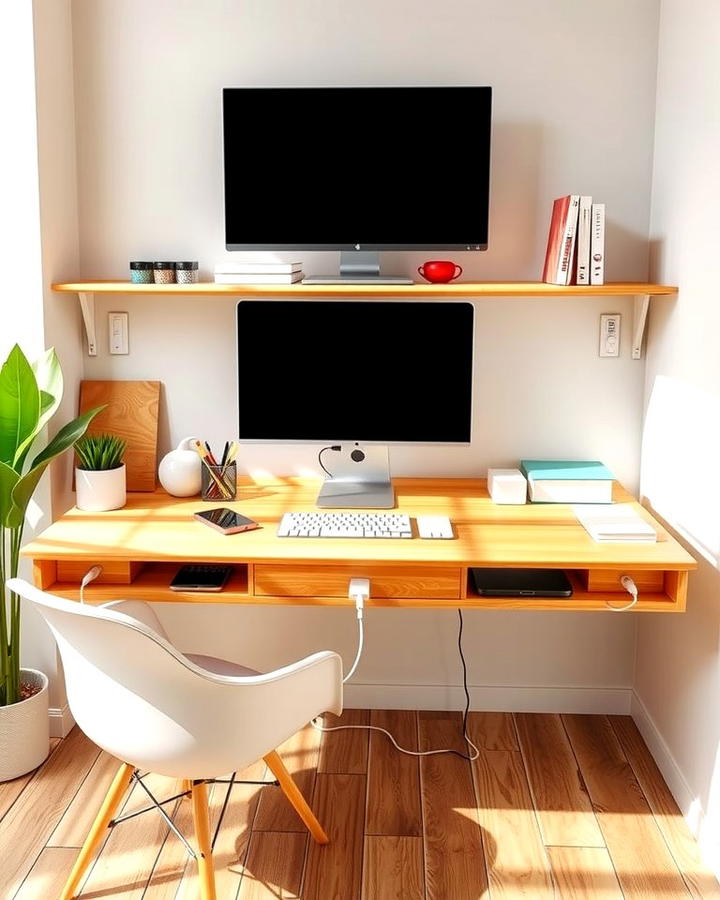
141,546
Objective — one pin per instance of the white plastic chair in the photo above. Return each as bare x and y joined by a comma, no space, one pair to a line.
184,716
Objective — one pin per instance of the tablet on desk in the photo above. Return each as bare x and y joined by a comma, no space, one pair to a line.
201,577
521,582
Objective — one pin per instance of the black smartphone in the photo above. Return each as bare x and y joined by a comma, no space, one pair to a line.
225,520
201,577
521,582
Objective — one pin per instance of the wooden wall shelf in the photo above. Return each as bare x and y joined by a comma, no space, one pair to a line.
640,290
455,289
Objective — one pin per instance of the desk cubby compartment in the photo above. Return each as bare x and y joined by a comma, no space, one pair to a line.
114,571
597,589
51,574
657,589
600,580
141,580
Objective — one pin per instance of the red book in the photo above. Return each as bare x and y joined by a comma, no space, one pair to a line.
560,251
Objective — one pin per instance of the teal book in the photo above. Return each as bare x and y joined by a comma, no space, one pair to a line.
567,481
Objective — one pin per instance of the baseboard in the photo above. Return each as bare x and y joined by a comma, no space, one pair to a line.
61,721
504,698
670,770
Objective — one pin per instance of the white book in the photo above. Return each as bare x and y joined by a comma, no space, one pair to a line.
616,522
259,278
583,240
597,244
564,271
570,491
257,268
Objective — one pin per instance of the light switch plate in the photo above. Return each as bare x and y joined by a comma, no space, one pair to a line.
610,334
118,333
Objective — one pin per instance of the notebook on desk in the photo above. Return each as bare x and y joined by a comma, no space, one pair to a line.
616,522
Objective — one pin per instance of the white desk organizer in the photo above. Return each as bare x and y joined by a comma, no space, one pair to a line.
507,486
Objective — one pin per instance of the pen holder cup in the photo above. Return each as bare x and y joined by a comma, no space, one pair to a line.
219,482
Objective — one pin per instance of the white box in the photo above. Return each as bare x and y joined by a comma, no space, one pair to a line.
507,486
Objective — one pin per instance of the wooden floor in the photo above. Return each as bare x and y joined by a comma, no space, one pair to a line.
556,806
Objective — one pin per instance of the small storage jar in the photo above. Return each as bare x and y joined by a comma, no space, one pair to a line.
141,272
164,272
186,272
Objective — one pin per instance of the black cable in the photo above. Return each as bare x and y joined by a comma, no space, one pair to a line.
322,450
429,752
465,688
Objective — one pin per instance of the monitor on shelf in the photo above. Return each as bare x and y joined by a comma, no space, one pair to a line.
355,375
357,169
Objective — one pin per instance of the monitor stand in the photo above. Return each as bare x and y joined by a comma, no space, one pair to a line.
359,267
360,479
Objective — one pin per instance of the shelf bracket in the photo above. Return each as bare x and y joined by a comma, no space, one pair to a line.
640,311
87,305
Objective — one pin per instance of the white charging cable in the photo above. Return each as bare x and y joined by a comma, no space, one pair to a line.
630,586
473,755
359,591
89,576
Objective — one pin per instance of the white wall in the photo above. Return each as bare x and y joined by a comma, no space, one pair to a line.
148,79
58,212
38,231
678,675
21,305
59,244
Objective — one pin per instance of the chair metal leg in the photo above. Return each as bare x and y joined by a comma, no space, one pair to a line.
298,802
202,833
97,832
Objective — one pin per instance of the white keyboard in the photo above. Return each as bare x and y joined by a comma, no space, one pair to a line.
344,525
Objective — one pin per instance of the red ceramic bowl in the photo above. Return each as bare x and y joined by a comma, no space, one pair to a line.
440,271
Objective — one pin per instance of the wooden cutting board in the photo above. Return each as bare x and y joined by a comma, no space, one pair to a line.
132,414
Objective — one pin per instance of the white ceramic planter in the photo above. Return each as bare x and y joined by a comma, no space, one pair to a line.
100,491
25,730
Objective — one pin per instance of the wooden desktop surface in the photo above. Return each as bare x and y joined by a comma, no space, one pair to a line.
143,543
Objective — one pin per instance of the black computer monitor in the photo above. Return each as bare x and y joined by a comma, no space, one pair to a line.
357,169
355,374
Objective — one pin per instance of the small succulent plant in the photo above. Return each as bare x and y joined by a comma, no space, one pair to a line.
100,452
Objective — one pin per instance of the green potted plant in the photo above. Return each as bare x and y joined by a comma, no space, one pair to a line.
100,480
29,397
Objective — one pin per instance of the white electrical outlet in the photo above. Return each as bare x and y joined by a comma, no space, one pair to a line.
118,332
610,334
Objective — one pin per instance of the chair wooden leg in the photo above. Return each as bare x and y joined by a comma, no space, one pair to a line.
97,832
298,802
202,835
187,786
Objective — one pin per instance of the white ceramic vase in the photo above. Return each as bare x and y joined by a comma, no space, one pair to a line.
99,491
25,730
179,470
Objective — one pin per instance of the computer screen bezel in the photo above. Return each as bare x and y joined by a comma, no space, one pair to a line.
247,380
373,245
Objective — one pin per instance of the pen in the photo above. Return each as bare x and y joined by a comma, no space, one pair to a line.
231,454
211,458
225,453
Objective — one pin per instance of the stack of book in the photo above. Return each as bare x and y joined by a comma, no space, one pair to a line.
258,273
576,242
567,481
